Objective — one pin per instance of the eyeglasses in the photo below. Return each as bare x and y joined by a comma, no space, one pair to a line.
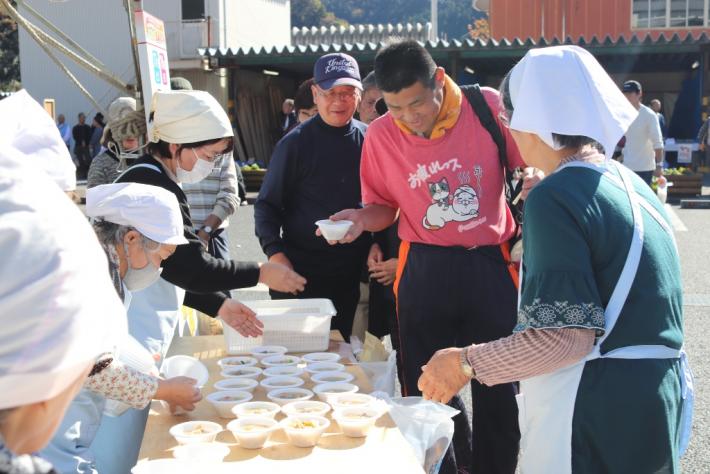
330,96
211,159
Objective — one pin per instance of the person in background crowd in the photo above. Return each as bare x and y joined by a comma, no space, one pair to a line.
303,103
64,129
121,139
431,159
643,151
657,107
703,139
82,154
97,131
288,116
604,381
315,171
370,95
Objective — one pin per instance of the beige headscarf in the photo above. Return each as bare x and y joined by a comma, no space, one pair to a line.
188,117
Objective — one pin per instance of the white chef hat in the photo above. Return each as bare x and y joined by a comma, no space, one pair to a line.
151,210
59,307
564,90
27,127
187,117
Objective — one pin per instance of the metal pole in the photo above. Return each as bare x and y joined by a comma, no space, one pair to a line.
434,19
134,45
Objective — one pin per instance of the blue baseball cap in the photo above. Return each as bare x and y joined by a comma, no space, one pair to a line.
336,69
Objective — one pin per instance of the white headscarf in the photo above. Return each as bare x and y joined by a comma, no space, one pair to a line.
27,127
564,90
188,117
152,211
58,307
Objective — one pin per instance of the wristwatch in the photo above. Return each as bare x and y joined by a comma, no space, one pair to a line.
206,229
466,367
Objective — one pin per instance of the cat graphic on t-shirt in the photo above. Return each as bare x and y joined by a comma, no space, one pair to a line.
463,206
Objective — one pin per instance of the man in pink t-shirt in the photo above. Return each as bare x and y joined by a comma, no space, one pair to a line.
431,160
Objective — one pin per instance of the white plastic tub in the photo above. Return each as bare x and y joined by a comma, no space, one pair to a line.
299,325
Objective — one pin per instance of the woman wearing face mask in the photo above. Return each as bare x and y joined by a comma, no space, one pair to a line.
138,226
189,130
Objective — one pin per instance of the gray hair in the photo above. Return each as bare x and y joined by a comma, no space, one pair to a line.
369,82
113,234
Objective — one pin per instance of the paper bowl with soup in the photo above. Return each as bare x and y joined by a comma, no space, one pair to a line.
260,352
318,367
223,401
272,383
314,357
326,391
332,376
333,230
251,432
356,422
281,360
265,409
229,362
237,383
241,372
282,396
304,431
195,432
352,400
309,407
280,370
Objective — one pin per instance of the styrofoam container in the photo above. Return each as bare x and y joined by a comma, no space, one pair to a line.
356,422
195,432
304,436
239,361
308,407
259,352
252,431
223,401
352,400
300,325
281,360
282,381
320,367
282,396
242,373
186,366
237,383
201,452
321,357
333,230
332,376
326,391
267,409
283,370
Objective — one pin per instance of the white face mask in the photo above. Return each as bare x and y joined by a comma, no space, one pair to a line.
200,171
142,278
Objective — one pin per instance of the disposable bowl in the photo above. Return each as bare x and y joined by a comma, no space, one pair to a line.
308,407
223,401
304,431
356,422
237,383
282,396
321,357
251,409
195,432
280,360
333,376
242,373
252,431
326,391
237,361
281,381
333,230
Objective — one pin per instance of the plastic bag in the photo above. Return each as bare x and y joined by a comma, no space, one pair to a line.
382,374
131,353
427,426
662,189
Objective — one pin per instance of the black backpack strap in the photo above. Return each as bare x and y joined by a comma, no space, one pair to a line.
485,115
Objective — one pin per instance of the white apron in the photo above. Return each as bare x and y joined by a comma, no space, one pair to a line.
546,403
152,318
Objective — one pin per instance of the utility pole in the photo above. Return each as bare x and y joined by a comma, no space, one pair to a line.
434,19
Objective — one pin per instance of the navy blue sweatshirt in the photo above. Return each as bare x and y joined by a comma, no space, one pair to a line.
314,172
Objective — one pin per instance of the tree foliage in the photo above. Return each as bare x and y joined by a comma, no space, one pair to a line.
312,13
9,55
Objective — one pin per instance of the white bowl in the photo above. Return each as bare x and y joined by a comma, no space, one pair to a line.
186,366
260,352
318,367
326,391
334,376
304,436
195,432
201,452
242,361
283,370
321,357
333,230
281,360
281,381
237,383
282,396
352,400
223,401
356,422
252,431
242,373
309,407
250,409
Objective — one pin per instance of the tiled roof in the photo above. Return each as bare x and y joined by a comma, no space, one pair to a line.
362,34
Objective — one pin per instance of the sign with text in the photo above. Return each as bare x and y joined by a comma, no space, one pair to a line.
685,154
153,58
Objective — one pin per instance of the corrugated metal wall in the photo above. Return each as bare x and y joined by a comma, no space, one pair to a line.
562,18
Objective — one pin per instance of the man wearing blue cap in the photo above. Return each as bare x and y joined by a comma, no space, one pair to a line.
314,172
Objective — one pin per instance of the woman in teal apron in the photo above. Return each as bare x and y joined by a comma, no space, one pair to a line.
604,381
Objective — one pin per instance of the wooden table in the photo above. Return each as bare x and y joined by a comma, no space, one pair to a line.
383,450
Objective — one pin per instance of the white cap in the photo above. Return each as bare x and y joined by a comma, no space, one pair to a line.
59,307
151,210
188,117
28,128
